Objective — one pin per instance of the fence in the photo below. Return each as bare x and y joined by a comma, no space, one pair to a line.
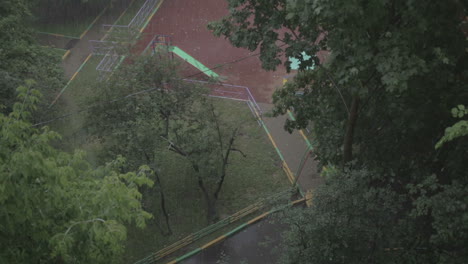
233,92
145,11
118,31
99,47
111,49
272,200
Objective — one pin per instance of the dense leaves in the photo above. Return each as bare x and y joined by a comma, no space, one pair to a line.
22,58
54,207
459,129
380,97
346,226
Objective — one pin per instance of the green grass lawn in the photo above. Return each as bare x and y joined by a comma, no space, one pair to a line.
71,29
74,28
249,179
85,82
131,12
56,51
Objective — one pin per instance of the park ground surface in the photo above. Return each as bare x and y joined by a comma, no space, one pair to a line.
185,21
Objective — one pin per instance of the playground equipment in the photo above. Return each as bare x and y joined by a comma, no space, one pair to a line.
99,47
107,65
113,50
112,58
161,43
217,89
135,25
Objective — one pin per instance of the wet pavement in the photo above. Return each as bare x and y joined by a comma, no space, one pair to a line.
293,147
258,243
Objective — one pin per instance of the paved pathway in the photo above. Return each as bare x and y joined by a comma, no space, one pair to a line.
257,244
293,147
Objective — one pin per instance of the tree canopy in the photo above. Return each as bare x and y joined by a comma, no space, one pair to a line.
54,207
22,58
387,74
163,114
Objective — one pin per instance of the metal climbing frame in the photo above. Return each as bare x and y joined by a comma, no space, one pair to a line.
101,47
107,65
123,31
160,40
145,11
111,57
118,31
111,49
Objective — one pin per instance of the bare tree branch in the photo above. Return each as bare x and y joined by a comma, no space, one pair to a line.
173,147
238,150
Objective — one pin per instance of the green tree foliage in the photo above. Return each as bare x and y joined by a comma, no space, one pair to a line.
459,129
387,74
54,207
163,114
135,126
353,221
201,139
21,58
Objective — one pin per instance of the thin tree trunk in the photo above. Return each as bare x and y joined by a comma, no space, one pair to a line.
166,131
225,163
163,204
348,139
156,222
161,193
160,228
201,185
210,204
220,184
165,116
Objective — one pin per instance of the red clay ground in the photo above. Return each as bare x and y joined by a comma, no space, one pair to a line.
185,21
